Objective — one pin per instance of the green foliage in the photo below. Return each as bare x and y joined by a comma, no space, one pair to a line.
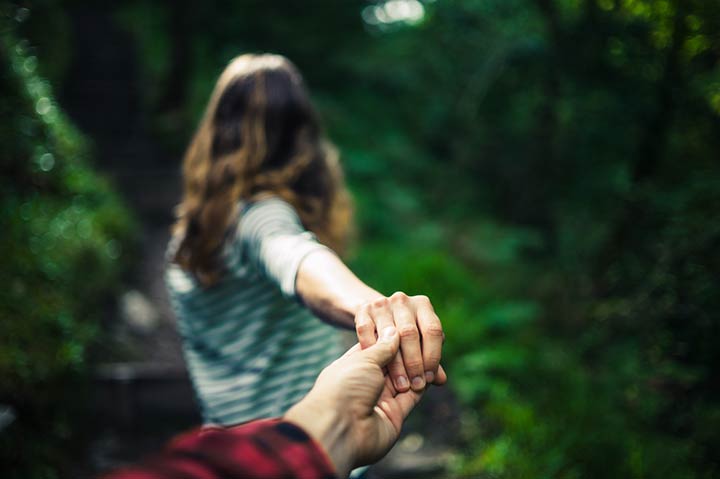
546,171
64,236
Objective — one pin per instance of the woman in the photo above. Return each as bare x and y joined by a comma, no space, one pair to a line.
252,255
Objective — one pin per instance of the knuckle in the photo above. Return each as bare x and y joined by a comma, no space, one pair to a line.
399,297
408,332
422,299
379,303
434,331
363,328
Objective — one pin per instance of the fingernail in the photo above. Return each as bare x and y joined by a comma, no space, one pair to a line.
402,381
429,376
418,382
388,332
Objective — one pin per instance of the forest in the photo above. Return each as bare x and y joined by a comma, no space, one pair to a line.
546,171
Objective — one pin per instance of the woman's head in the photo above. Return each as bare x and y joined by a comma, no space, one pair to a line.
259,136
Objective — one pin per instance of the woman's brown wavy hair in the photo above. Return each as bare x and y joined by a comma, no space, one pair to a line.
260,136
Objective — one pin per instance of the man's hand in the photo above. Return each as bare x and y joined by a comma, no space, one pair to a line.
354,411
421,338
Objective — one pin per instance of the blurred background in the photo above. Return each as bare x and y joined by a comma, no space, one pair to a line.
547,171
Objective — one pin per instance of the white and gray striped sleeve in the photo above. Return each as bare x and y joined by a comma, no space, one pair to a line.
272,237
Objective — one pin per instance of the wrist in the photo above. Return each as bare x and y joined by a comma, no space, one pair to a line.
329,428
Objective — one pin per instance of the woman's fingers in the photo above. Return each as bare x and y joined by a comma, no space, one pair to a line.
382,315
365,327
441,376
406,323
421,338
432,336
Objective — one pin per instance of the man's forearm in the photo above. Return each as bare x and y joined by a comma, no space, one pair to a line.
331,290
330,429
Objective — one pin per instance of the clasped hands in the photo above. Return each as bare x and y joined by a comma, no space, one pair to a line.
358,404
421,338
354,412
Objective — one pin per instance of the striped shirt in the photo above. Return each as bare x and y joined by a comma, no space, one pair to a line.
251,348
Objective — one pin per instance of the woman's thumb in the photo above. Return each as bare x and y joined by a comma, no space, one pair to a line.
386,347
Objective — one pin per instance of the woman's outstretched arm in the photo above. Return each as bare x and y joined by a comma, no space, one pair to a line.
331,290
272,237
336,295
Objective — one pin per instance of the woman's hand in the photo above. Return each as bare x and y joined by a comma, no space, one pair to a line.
421,338
336,295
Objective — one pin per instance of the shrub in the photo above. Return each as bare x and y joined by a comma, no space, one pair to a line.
64,236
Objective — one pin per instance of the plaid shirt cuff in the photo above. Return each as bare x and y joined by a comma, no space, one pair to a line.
268,448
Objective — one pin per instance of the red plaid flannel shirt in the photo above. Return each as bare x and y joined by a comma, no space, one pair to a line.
269,448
